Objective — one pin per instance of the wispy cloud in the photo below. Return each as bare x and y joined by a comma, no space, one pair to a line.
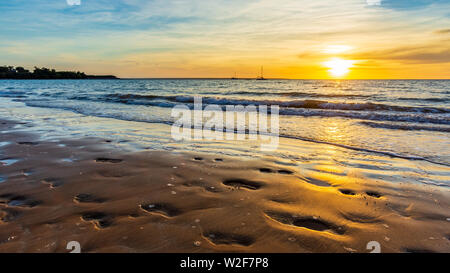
443,31
420,55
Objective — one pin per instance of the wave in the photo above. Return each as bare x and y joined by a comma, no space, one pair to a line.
307,104
295,94
386,116
16,94
361,115
148,99
446,100
405,127
104,111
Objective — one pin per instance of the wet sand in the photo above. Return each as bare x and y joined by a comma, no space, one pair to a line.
110,200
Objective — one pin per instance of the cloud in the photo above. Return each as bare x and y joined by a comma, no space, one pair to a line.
73,2
443,31
423,57
425,54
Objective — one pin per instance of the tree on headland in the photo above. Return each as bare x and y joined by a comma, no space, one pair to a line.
9,72
45,73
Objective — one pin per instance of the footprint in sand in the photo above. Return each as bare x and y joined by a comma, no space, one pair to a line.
100,219
218,159
12,200
267,170
285,172
373,194
219,238
243,183
108,160
198,158
87,198
308,222
163,209
347,192
28,143
417,250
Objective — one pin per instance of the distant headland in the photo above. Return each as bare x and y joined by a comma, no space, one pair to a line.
10,72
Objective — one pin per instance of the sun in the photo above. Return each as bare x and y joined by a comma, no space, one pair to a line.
338,67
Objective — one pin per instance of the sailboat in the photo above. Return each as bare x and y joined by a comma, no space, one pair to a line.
261,77
235,77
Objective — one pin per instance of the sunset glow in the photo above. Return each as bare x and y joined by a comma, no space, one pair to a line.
335,49
395,39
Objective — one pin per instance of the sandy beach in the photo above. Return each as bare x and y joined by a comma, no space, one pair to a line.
111,200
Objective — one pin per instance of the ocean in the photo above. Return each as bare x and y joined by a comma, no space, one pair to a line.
398,119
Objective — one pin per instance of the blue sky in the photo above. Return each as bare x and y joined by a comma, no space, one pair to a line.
215,38
410,4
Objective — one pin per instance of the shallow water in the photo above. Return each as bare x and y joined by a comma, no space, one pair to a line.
409,118
366,122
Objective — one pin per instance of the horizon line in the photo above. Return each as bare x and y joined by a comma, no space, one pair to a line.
306,79
229,78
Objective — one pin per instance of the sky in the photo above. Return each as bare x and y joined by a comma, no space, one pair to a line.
353,39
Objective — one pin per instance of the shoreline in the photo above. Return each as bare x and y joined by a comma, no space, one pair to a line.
111,200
